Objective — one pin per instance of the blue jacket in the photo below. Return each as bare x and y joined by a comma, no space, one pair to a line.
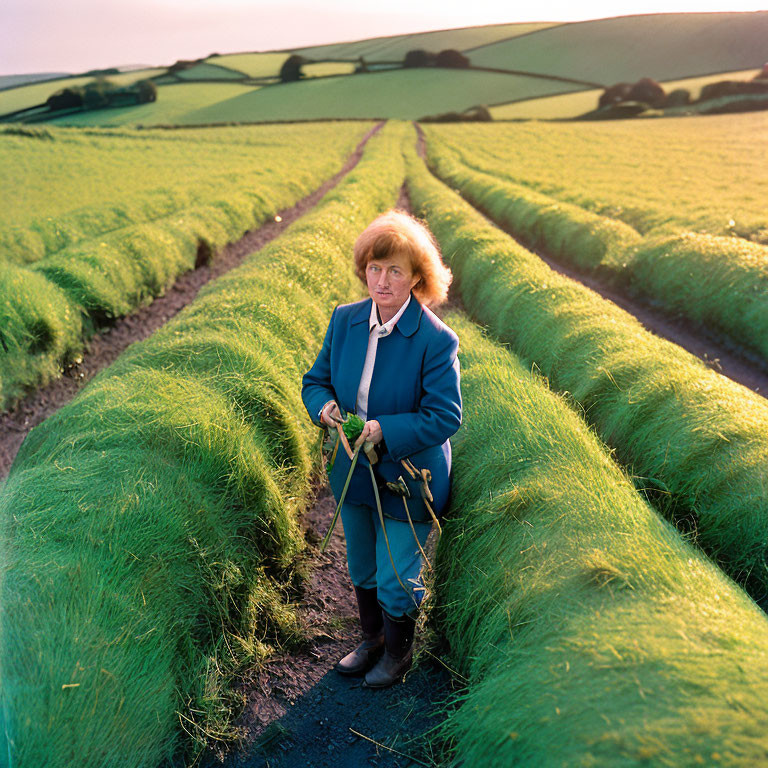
414,395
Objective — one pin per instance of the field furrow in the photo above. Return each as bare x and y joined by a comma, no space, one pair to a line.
168,491
695,441
714,282
590,631
49,307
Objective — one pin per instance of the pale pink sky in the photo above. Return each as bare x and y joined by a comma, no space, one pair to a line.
77,35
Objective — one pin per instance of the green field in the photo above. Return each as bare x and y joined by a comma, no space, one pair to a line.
67,269
253,64
174,103
641,172
25,96
396,46
81,169
206,71
575,104
555,572
680,50
402,94
182,571
661,46
600,585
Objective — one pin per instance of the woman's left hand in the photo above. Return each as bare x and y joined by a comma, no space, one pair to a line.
371,431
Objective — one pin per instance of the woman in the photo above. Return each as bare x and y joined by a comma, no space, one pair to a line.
391,361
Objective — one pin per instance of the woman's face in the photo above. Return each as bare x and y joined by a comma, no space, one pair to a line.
389,282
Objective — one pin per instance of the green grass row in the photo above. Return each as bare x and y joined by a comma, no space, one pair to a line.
717,282
697,441
148,530
567,231
74,185
48,308
590,632
696,174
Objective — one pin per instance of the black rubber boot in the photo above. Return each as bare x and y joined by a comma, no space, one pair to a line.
362,658
398,653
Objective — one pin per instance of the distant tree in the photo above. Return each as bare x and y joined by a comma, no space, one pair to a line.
361,66
97,72
614,94
451,58
96,93
291,70
680,97
480,112
419,58
181,65
66,98
147,91
733,88
647,91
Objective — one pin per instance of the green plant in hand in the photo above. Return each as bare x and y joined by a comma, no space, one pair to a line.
353,427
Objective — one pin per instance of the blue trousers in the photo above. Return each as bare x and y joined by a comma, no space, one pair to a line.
369,562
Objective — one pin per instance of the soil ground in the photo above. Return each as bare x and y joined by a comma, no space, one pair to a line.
300,712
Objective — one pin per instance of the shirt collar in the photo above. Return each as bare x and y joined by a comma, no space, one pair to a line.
386,328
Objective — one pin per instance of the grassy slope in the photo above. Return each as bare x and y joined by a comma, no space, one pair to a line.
206,71
31,95
174,103
662,46
253,64
575,104
400,94
644,173
396,46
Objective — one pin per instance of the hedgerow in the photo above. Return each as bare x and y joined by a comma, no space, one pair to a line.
148,531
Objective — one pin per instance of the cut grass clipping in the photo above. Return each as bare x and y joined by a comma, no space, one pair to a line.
591,633
698,441
148,530
718,283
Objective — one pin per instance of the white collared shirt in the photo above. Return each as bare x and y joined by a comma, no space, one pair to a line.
376,331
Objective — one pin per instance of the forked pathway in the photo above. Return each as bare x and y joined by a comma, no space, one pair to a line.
300,712
739,365
106,346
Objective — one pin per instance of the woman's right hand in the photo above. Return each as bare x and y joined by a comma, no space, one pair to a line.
331,415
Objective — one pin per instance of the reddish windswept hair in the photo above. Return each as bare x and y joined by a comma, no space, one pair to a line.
396,231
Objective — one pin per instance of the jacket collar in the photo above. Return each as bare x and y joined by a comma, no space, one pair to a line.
408,323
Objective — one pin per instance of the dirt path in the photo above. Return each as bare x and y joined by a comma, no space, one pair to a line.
737,364
301,713
106,346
